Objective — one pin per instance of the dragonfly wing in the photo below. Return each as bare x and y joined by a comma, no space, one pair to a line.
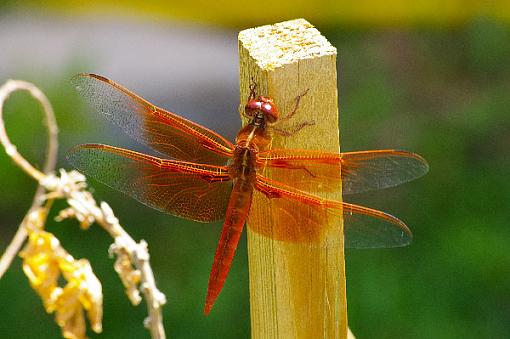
192,191
163,131
312,171
317,171
368,228
300,217
372,170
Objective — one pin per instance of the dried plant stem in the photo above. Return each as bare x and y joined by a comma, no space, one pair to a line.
49,166
138,254
15,245
132,258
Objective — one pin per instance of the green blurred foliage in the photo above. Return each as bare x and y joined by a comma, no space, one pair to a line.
445,95
441,93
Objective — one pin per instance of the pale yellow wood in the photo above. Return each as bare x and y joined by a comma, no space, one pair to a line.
297,290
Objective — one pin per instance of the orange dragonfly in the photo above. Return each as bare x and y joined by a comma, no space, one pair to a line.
215,179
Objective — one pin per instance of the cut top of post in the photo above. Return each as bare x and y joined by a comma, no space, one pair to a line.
273,46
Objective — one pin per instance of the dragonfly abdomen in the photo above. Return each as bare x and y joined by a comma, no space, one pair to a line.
237,212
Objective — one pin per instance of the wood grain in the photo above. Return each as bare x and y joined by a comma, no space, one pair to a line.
296,290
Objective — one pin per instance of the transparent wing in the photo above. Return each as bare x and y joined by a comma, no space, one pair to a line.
357,172
302,217
161,130
373,170
191,191
368,228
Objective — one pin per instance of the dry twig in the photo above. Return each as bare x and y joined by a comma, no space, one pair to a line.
132,263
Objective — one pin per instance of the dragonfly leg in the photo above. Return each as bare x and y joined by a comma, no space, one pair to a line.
296,105
253,89
293,130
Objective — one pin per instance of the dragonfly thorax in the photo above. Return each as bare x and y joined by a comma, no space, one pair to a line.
243,164
254,137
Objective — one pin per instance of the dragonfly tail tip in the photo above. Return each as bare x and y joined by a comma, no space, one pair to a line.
207,308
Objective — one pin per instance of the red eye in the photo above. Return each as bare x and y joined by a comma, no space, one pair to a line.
252,106
264,105
269,108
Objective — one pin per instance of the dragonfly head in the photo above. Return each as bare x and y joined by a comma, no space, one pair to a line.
263,105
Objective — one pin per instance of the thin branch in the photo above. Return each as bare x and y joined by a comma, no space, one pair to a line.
51,157
49,166
83,207
137,274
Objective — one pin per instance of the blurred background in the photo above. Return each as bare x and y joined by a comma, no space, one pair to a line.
432,77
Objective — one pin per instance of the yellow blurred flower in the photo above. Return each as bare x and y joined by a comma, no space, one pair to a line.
44,262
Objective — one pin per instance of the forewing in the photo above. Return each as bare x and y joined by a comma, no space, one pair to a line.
302,217
191,191
317,171
155,127
312,171
372,170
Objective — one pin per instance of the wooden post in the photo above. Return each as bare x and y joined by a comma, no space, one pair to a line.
297,290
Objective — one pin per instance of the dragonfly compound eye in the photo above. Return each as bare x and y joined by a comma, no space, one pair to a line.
269,108
252,107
